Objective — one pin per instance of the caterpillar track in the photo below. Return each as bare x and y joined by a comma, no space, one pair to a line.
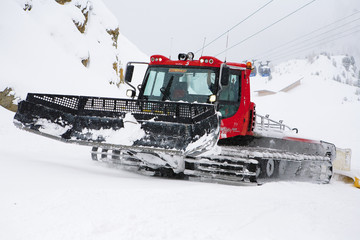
234,165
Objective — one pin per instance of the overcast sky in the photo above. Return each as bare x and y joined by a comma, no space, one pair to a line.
169,27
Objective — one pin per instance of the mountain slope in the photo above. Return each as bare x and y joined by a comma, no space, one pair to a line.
321,107
70,47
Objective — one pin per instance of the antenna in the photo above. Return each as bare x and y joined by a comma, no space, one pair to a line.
227,44
202,51
171,44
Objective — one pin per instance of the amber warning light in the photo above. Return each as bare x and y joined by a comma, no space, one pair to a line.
248,65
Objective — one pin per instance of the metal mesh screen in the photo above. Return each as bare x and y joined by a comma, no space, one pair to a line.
71,102
99,106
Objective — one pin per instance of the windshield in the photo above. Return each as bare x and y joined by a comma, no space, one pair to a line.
180,84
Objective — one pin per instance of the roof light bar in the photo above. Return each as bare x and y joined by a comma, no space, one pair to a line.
207,60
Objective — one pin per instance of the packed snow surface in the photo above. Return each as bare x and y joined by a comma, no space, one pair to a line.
52,190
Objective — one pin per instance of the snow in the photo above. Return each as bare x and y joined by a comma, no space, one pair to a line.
52,190
206,142
49,127
125,136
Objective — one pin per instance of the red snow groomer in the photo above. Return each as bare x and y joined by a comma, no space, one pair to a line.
189,119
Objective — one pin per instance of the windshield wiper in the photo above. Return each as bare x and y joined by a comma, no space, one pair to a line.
166,91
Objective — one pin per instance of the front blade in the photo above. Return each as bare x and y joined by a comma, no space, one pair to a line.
118,123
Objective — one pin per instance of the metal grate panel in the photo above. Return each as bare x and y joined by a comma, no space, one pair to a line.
96,106
65,101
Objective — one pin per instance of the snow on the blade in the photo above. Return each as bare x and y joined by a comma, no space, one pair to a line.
176,162
205,144
51,128
127,135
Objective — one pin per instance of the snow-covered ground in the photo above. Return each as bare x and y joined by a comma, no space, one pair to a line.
52,190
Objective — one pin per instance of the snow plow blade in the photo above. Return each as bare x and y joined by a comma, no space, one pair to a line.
120,123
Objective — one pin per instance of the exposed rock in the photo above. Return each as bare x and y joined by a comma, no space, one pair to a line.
86,61
114,35
122,79
81,26
62,2
7,100
28,6
115,66
119,72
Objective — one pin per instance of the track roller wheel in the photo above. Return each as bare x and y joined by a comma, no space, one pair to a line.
94,154
268,168
282,168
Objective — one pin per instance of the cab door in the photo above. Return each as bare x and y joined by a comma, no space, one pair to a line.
232,106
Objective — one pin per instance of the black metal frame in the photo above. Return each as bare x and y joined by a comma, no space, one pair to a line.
178,112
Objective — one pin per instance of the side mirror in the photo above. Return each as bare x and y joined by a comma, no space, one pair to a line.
225,71
129,73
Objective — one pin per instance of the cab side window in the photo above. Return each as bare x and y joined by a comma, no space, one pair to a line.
229,99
